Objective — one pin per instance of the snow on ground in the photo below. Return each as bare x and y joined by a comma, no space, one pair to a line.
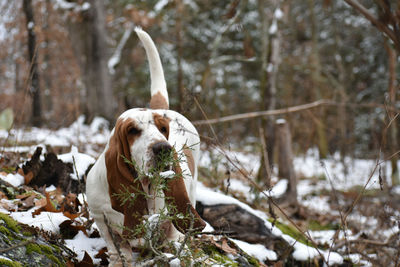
81,243
330,172
48,221
301,252
13,179
80,161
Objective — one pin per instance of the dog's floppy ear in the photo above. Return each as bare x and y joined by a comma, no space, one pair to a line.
177,196
122,176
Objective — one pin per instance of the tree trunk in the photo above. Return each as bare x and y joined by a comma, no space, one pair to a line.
393,143
316,79
179,48
89,43
285,160
33,70
270,59
48,105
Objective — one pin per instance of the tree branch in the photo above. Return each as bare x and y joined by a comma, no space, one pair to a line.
376,22
321,102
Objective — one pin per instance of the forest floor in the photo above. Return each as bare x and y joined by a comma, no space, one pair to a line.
346,212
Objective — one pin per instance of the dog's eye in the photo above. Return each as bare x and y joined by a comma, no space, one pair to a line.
134,131
163,129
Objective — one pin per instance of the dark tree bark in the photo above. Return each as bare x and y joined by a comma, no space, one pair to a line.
270,59
33,70
285,160
89,36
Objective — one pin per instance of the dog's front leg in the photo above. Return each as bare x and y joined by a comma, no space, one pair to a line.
119,249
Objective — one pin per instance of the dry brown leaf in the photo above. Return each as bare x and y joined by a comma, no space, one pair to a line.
103,256
48,207
225,247
86,261
2,195
27,177
29,202
41,202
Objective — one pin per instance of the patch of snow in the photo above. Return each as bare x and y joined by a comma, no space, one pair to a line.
167,174
85,6
302,252
279,188
160,5
13,179
50,188
4,258
82,161
48,221
256,250
274,27
81,243
278,14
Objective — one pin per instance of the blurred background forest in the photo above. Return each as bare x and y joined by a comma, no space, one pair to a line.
60,59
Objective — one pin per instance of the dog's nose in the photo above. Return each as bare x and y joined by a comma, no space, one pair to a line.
161,148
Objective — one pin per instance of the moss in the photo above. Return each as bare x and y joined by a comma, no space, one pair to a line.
4,262
317,226
55,260
13,225
253,261
56,249
214,253
46,249
27,233
293,232
30,248
4,230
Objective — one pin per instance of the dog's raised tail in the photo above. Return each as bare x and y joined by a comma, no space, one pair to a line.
159,93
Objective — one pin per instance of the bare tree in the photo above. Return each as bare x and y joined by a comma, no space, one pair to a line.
270,60
87,29
33,71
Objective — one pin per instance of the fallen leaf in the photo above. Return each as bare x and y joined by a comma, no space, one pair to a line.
225,247
29,202
48,207
41,202
85,262
2,195
103,256
69,231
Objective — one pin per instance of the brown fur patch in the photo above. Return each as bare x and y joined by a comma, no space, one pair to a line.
158,101
189,159
121,176
162,123
177,196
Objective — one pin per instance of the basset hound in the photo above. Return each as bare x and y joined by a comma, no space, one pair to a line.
119,188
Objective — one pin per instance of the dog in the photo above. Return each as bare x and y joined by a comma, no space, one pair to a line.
134,149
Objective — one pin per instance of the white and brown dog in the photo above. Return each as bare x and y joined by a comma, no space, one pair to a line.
140,135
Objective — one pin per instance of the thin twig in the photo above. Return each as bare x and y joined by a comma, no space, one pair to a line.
293,109
20,244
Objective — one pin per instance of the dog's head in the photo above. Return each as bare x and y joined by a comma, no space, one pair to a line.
136,151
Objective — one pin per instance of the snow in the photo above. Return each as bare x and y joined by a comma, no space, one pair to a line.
258,251
301,252
160,5
80,161
273,28
278,14
167,174
48,221
278,189
13,179
314,176
81,243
